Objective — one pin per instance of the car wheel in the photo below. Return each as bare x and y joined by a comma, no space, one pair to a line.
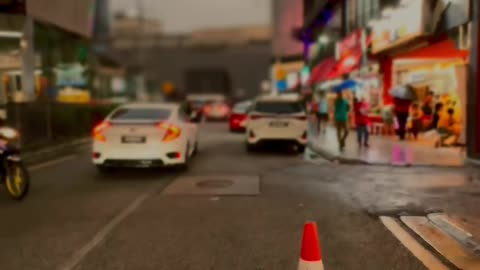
195,150
301,148
102,169
184,166
251,147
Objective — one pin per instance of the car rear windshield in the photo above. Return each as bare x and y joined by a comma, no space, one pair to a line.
141,114
241,108
278,107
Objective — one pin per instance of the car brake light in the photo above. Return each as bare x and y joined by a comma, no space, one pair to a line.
224,109
172,132
98,131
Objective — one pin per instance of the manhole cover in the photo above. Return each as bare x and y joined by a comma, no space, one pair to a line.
214,183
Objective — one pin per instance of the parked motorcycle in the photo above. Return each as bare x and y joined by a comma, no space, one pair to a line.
13,172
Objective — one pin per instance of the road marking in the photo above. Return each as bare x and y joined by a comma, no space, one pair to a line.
51,163
442,242
78,256
422,254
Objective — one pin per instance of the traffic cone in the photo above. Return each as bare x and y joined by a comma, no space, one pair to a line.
310,255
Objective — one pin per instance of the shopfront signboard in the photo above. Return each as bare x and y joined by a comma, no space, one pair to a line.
70,75
448,14
351,45
406,23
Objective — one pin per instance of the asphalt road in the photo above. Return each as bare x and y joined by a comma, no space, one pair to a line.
75,218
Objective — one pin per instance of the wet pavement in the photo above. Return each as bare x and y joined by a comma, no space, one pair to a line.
384,150
76,219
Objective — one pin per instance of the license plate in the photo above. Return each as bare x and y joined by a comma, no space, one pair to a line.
279,124
133,139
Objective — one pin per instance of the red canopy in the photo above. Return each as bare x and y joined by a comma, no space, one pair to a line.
442,50
345,66
321,71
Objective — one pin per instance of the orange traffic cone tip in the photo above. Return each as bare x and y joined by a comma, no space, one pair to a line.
310,245
310,256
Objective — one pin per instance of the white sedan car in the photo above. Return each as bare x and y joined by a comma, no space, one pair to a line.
278,119
145,135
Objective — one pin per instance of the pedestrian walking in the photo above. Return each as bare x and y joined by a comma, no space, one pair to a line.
342,109
402,110
416,120
361,121
322,113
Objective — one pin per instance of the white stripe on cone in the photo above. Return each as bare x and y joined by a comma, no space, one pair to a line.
306,265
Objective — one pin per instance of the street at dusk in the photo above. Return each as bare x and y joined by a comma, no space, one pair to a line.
235,135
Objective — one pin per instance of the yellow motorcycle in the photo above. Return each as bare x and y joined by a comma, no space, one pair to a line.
13,172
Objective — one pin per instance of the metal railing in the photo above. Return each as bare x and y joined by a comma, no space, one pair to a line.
45,123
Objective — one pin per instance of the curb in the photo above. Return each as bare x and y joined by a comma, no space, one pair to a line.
336,158
51,152
356,161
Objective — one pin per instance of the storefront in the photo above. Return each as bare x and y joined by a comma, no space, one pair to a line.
371,86
419,53
11,88
438,74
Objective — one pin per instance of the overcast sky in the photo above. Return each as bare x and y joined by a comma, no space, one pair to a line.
186,15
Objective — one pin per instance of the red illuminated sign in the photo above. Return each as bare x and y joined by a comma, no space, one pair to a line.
352,44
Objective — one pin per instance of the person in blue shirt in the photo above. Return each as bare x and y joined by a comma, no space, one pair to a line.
342,109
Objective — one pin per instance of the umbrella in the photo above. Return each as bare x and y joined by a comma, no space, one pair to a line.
403,92
347,84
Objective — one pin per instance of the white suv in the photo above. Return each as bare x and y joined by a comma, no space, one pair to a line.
277,118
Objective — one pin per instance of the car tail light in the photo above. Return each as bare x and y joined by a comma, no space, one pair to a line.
172,132
98,131
174,155
207,109
224,109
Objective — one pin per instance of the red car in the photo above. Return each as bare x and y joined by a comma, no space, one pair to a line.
239,116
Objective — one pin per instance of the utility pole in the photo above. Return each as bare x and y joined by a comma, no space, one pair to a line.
473,98
140,78
28,59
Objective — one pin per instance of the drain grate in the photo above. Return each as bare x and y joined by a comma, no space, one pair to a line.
214,185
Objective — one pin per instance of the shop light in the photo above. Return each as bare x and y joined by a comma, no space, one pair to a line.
10,34
405,2
372,23
323,39
350,61
387,12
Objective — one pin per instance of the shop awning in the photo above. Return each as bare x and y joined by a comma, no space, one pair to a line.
441,50
345,66
321,71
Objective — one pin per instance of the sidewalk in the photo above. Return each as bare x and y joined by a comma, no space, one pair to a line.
54,151
421,152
